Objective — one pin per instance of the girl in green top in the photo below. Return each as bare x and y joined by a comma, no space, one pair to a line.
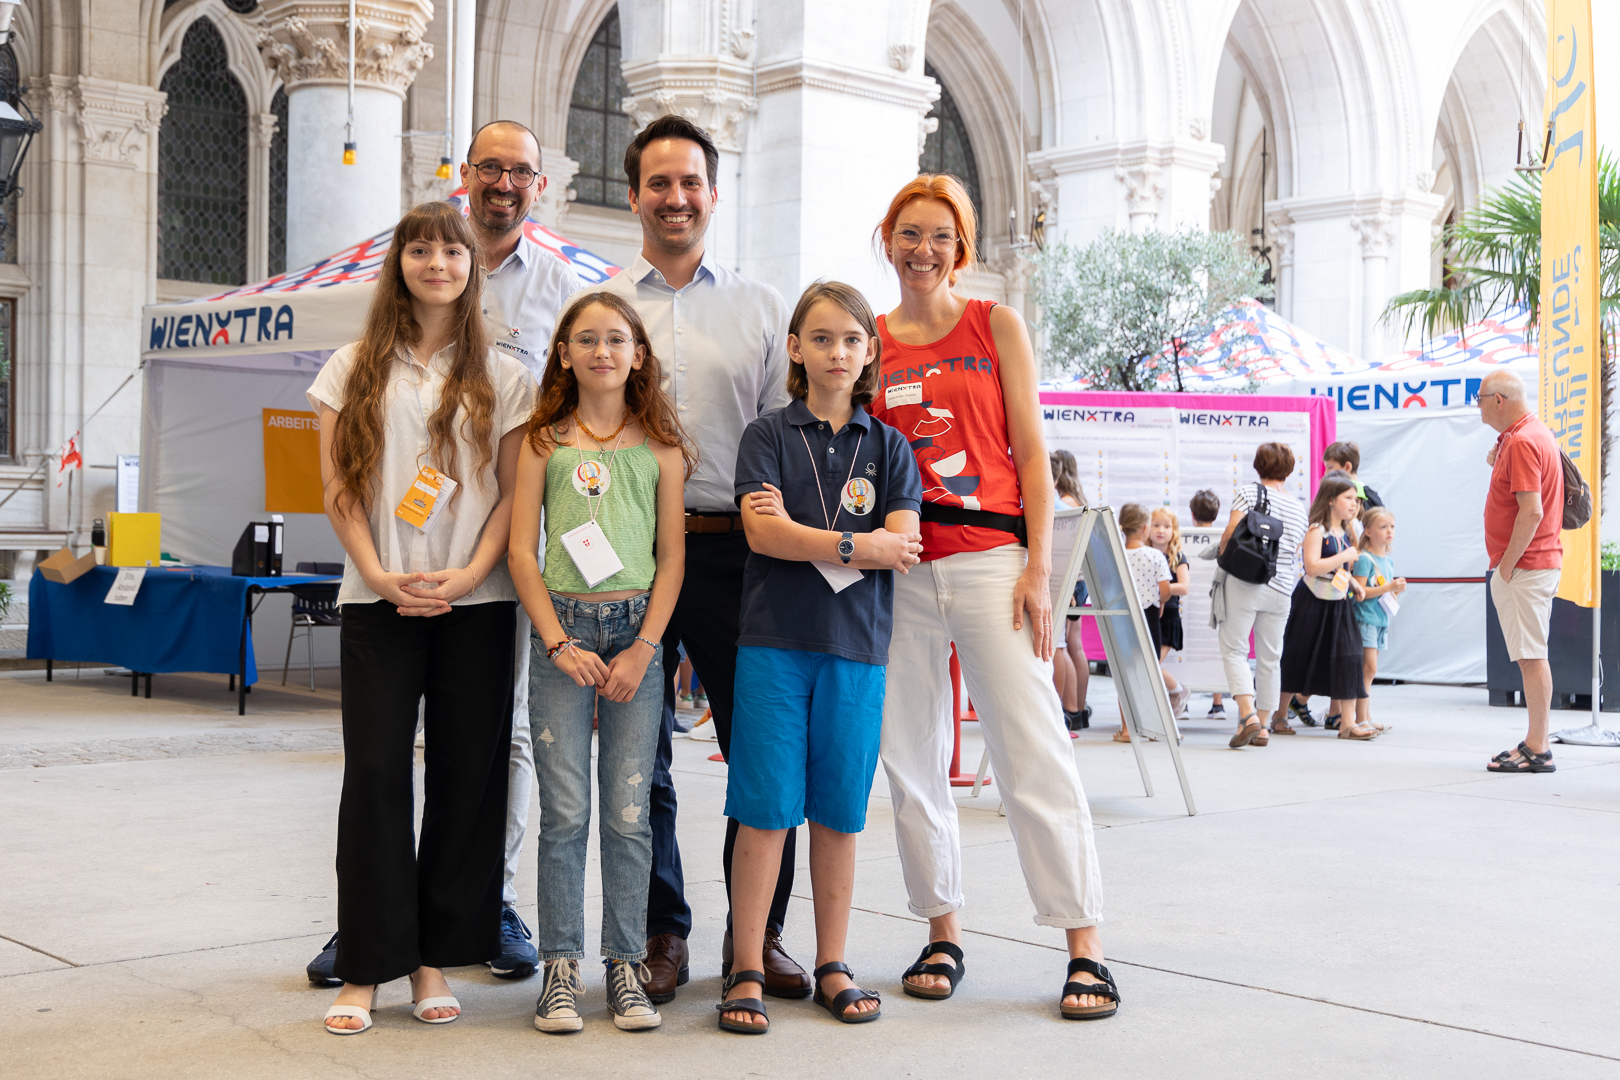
607,460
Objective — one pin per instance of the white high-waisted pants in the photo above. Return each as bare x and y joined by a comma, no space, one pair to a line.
967,598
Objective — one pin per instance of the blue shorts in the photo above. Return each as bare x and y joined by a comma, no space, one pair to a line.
1372,636
804,739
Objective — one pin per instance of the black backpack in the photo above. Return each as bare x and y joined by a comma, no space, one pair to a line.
1251,552
1577,496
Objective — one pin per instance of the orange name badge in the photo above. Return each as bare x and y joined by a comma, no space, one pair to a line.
426,497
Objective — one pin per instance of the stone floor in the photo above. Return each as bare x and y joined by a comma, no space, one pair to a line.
1337,909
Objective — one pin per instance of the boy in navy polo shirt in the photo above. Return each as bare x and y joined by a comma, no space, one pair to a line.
829,500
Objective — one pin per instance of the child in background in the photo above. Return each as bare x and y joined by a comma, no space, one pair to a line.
1150,575
1375,570
1206,507
1164,536
1071,672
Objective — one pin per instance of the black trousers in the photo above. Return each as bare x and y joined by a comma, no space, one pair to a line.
404,904
706,621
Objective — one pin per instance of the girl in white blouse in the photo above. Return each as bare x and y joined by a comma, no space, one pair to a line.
421,423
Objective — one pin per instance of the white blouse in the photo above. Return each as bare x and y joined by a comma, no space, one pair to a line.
411,398
1148,568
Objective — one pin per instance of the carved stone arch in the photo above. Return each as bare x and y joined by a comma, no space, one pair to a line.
529,52
985,96
25,45
259,84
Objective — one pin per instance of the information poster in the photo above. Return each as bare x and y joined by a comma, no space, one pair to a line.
1160,456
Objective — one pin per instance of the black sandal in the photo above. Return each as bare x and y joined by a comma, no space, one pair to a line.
1529,761
845,998
748,1005
953,972
1106,989
1331,723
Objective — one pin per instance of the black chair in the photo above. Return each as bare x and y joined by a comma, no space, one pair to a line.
312,606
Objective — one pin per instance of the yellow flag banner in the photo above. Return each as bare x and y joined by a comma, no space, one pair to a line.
292,462
1570,399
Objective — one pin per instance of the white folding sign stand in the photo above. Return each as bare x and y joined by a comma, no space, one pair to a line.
1089,539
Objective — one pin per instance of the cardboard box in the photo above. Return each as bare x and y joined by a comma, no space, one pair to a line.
65,567
134,540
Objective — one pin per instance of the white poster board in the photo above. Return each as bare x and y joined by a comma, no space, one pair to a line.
1161,456
1198,664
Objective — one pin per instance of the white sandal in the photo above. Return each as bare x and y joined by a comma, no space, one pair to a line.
437,1003
355,1011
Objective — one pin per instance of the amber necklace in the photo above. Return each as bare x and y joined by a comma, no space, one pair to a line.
602,440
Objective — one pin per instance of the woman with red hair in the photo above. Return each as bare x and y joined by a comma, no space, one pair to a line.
959,382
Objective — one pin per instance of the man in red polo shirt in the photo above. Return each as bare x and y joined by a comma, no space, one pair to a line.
1524,512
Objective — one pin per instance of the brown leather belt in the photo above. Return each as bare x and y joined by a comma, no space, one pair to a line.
713,523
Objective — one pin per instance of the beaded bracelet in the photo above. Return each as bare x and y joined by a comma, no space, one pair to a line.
654,644
566,643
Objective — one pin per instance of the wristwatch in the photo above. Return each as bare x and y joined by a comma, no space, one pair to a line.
846,547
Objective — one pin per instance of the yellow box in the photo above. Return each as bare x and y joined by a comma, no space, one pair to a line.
134,539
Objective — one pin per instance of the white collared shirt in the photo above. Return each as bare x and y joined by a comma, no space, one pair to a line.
523,298
412,395
722,343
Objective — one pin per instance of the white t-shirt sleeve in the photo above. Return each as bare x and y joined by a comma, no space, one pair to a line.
331,381
514,392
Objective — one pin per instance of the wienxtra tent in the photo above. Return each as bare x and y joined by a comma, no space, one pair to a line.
1422,447
213,365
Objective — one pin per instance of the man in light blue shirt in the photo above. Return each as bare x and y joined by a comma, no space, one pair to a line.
721,339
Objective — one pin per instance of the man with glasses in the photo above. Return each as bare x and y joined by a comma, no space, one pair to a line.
524,292
1524,511
722,341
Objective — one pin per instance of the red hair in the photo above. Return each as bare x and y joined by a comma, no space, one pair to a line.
941,187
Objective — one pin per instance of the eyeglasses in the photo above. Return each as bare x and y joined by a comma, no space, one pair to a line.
615,342
491,173
911,238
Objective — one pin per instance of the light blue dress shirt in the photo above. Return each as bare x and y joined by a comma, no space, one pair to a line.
523,298
722,344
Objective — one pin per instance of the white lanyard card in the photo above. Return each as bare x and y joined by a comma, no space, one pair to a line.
592,554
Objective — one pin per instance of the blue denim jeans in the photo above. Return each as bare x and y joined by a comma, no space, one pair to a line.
627,737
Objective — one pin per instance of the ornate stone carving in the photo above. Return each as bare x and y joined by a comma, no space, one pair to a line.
305,41
926,126
262,129
717,111
117,121
1142,192
1280,233
1424,180
1376,233
900,56
559,169
1199,128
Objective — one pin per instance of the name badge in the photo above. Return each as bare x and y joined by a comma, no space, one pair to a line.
902,394
839,576
593,556
425,499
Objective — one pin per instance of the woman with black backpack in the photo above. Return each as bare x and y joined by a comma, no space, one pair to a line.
1260,552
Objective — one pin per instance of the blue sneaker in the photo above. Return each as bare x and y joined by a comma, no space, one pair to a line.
319,970
518,958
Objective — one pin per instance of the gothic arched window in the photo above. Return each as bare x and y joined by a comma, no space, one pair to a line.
598,129
203,166
948,149
278,185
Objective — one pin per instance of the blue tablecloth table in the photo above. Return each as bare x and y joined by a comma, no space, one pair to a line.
194,618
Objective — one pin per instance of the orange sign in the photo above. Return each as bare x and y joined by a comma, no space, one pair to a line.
292,462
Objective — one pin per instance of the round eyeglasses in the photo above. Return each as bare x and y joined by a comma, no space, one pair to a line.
491,173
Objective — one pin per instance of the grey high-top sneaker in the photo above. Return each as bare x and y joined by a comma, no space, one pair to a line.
557,1011
632,1009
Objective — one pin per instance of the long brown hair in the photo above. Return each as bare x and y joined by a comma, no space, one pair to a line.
1322,506
644,398
359,437
1066,475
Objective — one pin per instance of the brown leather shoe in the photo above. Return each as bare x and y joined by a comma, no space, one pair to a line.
667,962
784,978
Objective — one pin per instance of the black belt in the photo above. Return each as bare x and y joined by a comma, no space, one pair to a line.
984,519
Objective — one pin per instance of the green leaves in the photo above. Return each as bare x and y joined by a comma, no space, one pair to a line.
1493,256
1110,309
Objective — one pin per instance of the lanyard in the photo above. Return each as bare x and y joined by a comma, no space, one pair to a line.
591,508
856,457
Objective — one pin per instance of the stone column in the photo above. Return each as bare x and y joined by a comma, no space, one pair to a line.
1131,186
830,112
1280,233
1376,233
329,204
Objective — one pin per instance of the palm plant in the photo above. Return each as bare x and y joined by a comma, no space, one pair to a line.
1493,257
1493,260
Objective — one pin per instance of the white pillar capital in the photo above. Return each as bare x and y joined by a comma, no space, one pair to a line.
306,42
117,122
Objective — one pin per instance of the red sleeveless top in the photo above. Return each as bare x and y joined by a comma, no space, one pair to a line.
945,398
